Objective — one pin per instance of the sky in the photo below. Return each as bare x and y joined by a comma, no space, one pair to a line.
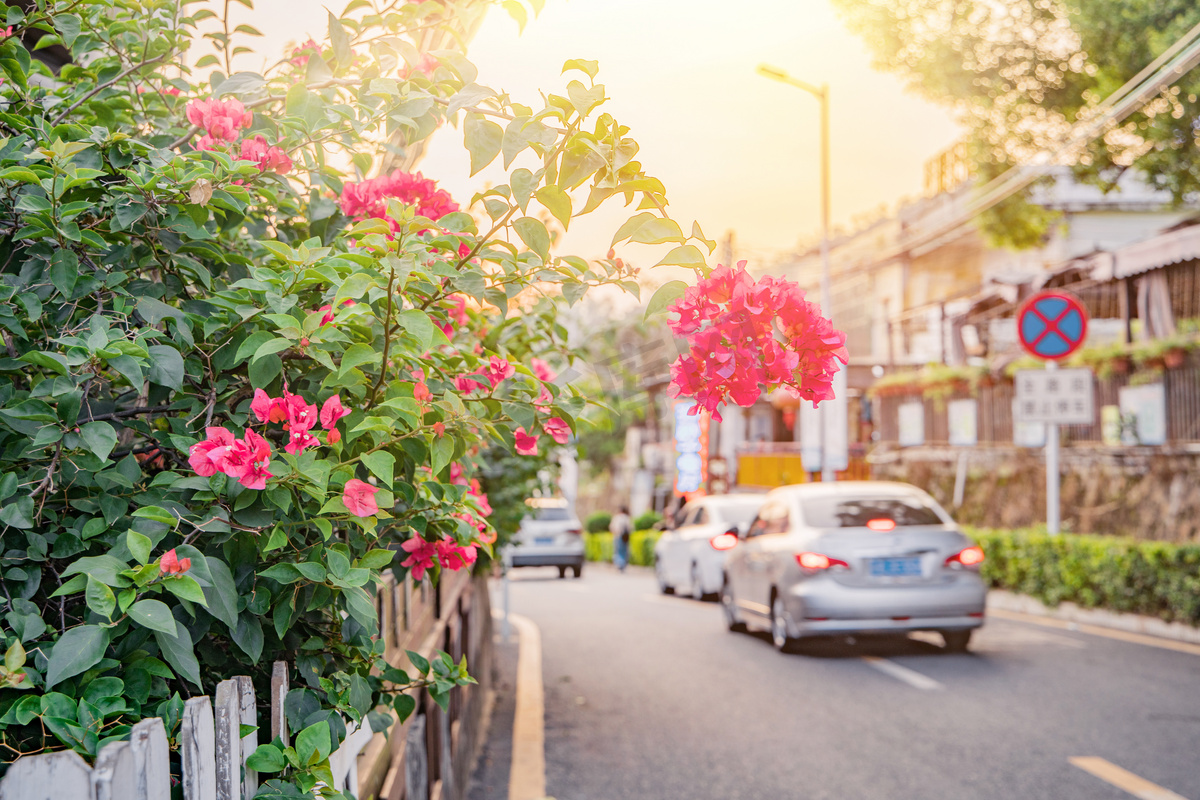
737,151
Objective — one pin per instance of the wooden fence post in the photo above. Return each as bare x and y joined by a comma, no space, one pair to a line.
197,741
228,715
279,690
48,777
416,761
115,773
249,716
152,760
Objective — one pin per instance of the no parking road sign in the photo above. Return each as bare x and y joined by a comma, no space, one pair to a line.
1052,325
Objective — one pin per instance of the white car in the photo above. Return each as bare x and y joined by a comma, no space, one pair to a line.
549,536
691,556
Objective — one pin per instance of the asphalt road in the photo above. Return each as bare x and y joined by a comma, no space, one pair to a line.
649,697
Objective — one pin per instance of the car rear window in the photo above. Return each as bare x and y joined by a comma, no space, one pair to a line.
856,512
738,513
552,515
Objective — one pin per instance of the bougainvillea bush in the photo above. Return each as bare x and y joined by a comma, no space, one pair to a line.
251,357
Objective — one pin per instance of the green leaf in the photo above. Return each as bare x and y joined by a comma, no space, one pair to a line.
177,650
222,596
139,545
76,651
313,571
657,231
64,271
270,348
588,67
18,514
251,343
358,354
241,84
14,657
100,598
248,636
276,540
156,513
281,573
416,323
185,587
381,464
313,744
663,296
631,226
557,202
419,662
376,559
155,615
482,139
535,236
267,758
340,41
99,437
405,705
443,452
166,366
354,287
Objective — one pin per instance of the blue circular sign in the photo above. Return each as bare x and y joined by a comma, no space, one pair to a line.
1052,325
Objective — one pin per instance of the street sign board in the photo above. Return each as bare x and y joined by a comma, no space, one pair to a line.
1060,396
1052,325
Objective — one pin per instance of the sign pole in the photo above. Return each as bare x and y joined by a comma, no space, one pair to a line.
1053,509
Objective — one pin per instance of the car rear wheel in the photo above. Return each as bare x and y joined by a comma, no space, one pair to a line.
957,641
577,570
660,576
562,572
780,635
732,621
697,587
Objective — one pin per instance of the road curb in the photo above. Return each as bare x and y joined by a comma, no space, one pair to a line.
1000,599
527,777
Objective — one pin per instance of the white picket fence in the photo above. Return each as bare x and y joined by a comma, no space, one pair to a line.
213,756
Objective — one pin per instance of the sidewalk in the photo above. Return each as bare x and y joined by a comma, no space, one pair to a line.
1002,600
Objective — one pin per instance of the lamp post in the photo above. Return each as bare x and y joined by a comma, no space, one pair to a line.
822,94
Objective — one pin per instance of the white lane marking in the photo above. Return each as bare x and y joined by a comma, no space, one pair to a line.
527,777
1123,779
909,676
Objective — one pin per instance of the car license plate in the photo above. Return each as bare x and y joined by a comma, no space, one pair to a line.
543,540
895,567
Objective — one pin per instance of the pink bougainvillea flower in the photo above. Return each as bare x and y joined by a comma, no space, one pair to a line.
454,556
558,429
299,440
301,54
439,429
207,142
171,564
744,334
331,411
425,66
368,199
544,399
329,312
498,369
204,457
526,444
457,474
301,415
220,119
359,498
542,370
261,405
268,157
333,437
421,393
421,555
255,472
481,499
465,384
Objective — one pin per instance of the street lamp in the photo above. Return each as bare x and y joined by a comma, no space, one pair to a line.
822,94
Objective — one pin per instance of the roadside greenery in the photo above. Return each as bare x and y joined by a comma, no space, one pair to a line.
598,522
1159,579
239,379
599,547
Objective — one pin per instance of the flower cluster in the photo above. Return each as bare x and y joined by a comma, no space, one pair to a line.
450,554
301,54
368,199
744,334
172,564
246,459
267,156
219,119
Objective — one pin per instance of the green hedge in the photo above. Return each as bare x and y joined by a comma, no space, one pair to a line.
599,547
598,522
1159,579
646,520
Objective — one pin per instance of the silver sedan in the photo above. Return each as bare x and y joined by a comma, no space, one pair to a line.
853,557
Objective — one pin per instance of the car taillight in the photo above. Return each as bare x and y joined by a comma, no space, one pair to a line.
576,531
723,541
818,561
970,557
881,525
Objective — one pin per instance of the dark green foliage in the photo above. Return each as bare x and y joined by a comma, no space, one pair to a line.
646,520
598,522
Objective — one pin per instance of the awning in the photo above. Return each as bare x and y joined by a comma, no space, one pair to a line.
1158,251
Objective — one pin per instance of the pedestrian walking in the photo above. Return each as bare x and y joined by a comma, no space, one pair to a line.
621,529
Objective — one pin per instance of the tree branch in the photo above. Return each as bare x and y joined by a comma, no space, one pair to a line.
104,86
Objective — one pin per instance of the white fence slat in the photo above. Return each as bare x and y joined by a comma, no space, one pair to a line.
51,776
343,762
115,774
197,743
152,757
279,690
249,716
227,715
